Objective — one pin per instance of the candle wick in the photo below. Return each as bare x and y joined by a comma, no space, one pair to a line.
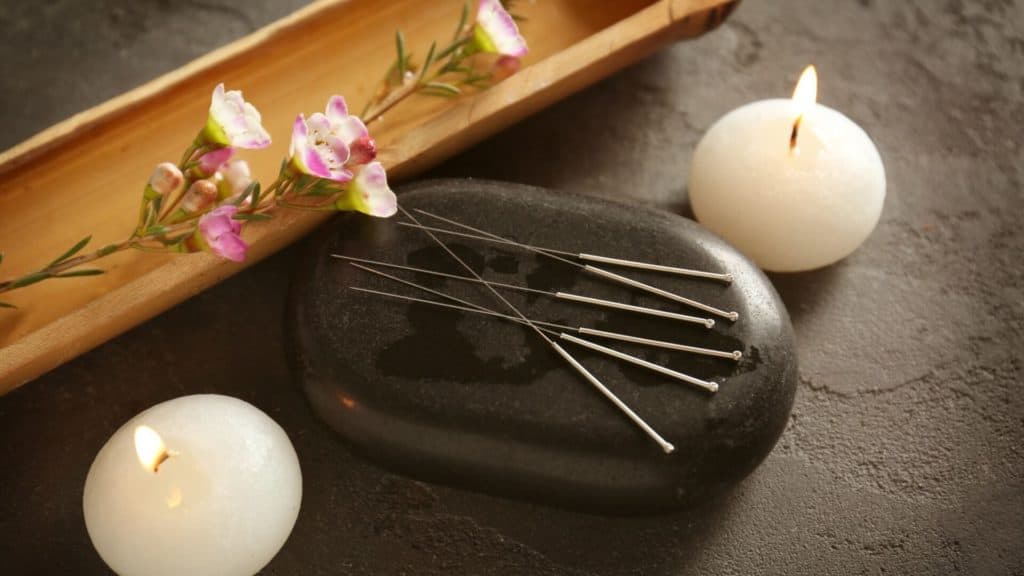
160,460
796,132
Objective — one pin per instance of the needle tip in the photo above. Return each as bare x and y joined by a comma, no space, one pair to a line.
734,316
714,387
709,323
668,448
736,355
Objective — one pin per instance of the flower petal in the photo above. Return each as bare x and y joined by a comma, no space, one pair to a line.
234,122
212,161
369,193
236,177
337,109
230,247
496,30
298,135
350,129
220,233
218,222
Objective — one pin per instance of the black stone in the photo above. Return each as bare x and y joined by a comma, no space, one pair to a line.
473,401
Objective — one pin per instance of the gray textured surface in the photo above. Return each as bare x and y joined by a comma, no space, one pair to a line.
904,451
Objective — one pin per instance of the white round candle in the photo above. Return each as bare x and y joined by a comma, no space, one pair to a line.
198,485
788,208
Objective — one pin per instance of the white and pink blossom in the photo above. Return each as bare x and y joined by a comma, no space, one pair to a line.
369,193
327,145
234,122
220,234
496,32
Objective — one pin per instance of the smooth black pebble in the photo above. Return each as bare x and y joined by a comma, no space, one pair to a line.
483,403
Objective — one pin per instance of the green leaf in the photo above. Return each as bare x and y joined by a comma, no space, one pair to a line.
251,191
302,182
442,89
107,250
322,187
29,279
428,61
71,251
82,272
257,193
462,20
403,57
154,211
253,217
6,305
451,49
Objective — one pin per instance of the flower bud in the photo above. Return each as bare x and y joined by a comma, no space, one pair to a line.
363,150
166,178
505,67
234,178
201,194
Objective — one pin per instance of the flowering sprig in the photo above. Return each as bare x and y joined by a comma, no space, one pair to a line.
448,70
203,203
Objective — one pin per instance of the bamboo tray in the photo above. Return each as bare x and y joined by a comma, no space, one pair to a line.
91,167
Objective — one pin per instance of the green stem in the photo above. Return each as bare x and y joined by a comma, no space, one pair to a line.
391,101
189,152
53,271
455,57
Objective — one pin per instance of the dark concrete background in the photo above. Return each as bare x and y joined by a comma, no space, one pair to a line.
904,452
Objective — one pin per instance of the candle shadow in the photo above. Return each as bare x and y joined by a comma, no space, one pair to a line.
681,204
804,292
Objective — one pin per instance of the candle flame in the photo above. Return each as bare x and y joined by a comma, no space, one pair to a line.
150,448
806,92
804,95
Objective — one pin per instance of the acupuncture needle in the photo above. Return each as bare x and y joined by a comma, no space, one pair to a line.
729,315
735,355
726,278
651,433
706,322
547,327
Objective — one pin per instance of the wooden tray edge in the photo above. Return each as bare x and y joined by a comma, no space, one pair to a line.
473,117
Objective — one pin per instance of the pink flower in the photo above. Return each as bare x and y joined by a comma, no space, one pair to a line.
369,193
220,233
210,162
166,178
317,152
234,122
496,32
325,144
351,130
